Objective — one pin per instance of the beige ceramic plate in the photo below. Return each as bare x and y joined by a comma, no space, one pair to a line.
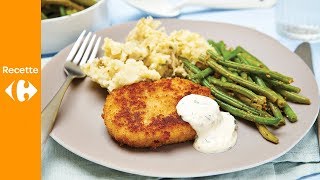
80,128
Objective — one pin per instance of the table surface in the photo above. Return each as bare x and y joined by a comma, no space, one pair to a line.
302,160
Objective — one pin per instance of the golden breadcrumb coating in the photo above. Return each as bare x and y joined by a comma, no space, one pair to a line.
144,114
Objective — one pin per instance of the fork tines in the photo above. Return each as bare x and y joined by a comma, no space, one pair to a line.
83,48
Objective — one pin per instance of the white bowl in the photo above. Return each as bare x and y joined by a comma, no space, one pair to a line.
56,33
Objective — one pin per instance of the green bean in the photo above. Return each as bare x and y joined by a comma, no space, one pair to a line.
266,134
248,101
220,48
245,115
225,97
293,97
220,94
245,57
239,89
215,46
263,130
229,80
250,79
237,60
230,100
246,66
213,55
277,113
271,95
243,98
223,79
43,16
275,110
258,71
203,74
244,75
86,3
192,67
290,114
252,59
71,11
234,71
223,49
58,8
62,11
280,102
66,3
232,54
288,111
283,86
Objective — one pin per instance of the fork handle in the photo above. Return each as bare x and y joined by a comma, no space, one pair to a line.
49,114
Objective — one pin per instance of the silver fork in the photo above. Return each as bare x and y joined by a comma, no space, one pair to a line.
78,56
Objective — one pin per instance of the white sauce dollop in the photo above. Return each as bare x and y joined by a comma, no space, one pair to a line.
216,130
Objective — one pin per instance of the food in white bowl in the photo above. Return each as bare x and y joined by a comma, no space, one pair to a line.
56,33
59,8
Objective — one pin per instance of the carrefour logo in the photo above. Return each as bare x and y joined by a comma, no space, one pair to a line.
22,88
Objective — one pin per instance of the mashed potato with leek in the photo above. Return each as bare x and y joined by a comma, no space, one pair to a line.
149,48
113,73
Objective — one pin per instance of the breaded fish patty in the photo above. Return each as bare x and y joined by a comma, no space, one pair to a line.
144,114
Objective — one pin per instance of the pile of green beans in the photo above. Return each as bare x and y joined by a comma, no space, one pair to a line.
58,8
246,87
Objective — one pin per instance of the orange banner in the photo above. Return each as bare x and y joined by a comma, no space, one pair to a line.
20,90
